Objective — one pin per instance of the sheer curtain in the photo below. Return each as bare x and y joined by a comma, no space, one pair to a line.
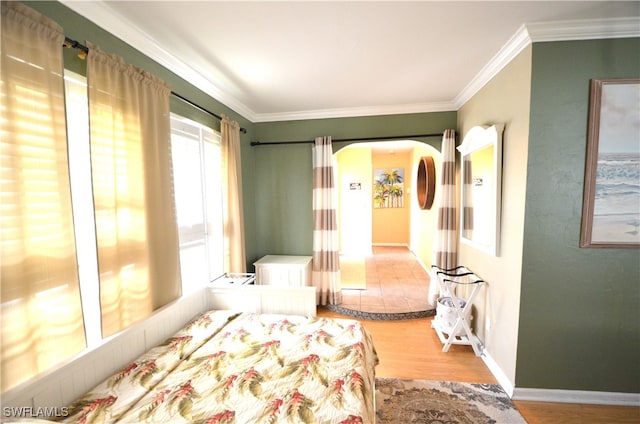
42,321
136,228
326,254
232,186
445,249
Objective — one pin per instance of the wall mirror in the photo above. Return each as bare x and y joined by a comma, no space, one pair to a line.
426,182
481,158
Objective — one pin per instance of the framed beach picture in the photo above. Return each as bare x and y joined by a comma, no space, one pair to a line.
611,202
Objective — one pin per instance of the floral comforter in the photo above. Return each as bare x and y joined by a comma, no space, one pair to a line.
225,367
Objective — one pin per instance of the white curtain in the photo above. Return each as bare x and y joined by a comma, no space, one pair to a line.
234,214
42,323
445,248
136,228
326,254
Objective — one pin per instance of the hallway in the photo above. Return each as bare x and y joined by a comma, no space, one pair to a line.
395,284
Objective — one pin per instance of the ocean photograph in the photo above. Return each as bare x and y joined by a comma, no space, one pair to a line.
616,209
616,206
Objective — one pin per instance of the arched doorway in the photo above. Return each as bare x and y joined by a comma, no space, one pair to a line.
393,259
361,224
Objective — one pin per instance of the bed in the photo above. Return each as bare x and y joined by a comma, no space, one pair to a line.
239,367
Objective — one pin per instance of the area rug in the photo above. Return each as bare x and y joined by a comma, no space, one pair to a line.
352,272
379,316
443,402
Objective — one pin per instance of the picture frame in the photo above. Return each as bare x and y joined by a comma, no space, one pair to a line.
611,200
388,188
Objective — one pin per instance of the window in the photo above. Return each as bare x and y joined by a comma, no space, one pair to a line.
198,193
50,201
35,227
197,177
77,109
41,317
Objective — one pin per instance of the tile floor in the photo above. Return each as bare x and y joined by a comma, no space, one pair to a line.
396,283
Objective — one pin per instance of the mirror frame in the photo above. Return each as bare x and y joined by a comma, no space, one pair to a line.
426,182
477,138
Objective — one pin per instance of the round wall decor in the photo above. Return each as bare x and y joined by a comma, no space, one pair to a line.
426,182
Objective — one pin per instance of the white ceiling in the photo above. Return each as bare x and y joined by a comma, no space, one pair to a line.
300,59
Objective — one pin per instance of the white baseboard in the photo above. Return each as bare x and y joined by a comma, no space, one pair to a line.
577,396
497,372
425,267
557,395
391,244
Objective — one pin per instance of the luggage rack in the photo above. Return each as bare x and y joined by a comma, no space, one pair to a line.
448,281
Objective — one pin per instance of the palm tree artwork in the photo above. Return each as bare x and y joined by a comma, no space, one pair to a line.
388,188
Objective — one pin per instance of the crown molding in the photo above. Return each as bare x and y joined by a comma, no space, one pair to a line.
100,14
103,16
518,42
587,29
357,111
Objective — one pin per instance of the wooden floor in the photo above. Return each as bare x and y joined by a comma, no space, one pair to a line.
410,349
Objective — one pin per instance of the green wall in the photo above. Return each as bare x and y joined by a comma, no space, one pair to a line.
283,173
580,307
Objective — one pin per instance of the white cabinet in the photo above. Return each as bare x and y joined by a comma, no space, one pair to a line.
289,271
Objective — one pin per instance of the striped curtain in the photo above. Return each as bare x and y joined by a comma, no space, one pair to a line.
445,248
467,188
326,262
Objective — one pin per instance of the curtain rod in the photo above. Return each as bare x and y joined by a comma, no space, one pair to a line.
73,44
339,140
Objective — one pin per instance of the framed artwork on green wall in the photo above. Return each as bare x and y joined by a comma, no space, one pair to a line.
611,202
